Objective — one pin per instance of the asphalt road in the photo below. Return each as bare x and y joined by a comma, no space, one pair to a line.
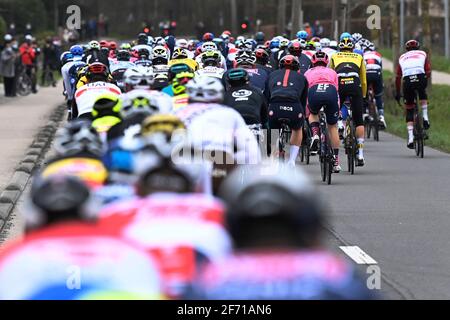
397,210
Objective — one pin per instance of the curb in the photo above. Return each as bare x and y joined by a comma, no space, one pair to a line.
23,172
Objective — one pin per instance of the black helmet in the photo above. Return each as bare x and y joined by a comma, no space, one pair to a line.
237,77
78,137
271,201
142,38
123,55
178,68
260,37
56,199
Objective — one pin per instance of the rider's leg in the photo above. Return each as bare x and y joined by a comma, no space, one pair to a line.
315,132
410,124
296,142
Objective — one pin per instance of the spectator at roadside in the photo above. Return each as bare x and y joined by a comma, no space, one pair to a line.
28,57
50,60
7,66
318,29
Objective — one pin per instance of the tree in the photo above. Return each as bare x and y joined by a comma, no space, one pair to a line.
281,20
394,30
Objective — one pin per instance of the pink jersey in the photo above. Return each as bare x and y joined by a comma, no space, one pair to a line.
321,75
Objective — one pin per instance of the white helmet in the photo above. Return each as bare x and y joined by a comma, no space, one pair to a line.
180,53
325,42
160,52
138,77
303,43
159,41
181,43
209,46
145,101
94,45
8,38
205,89
333,44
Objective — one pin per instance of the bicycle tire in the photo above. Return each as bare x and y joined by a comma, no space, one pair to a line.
23,85
376,132
368,129
308,154
323,173
330,171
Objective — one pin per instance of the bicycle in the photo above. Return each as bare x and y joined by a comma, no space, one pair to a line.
283,138
23,82
305,150
326,153
373,121
350,138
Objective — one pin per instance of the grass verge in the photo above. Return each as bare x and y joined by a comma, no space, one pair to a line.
438,110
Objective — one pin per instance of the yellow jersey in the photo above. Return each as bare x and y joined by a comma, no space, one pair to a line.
350,65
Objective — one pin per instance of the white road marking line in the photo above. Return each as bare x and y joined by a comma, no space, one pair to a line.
358,255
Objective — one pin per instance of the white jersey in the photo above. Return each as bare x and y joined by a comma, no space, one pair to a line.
72,267
413,62
329,52
69,83
86,95
160,68
216,127
117,65
373,61
211,72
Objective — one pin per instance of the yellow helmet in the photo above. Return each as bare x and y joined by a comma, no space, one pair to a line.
161,123
107,104
180,53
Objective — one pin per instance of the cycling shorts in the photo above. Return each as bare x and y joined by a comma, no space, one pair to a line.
375,79
291,111
411,85
351,88
324,96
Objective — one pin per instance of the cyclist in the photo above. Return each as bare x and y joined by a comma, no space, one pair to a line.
302,35
246,99
287,95
323,92
181,55
413,71
258,75
94,54
139,77
262,60
160,55
295,49
98,82
214,127
106,113
40,266
351,71
325,44
211,65
143,59
275,219
180,96
172,73
374,69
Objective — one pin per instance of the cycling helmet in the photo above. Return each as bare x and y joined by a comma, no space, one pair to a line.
320,58
371,46
211,58
139,77
94,45
289,62
181,43
237,77
208,46
245,58
125,46
66,57
274,201
104,44
302,35
177,68
334,44
57,198
284,43
8,38
77,137
274,44
159,41
310,46
325,42
108,104
346,44
142,38
260,37
262,56
315,39
123,55
77,51
139,101
160,53
412,45
180,53
113,45
295,48
208,37
357,37
144,53
205,89
97,71
164,123
345,35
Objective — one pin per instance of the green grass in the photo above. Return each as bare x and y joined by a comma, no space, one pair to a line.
438,111
438,62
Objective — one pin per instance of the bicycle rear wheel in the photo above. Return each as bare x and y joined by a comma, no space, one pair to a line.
330,170
376,131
